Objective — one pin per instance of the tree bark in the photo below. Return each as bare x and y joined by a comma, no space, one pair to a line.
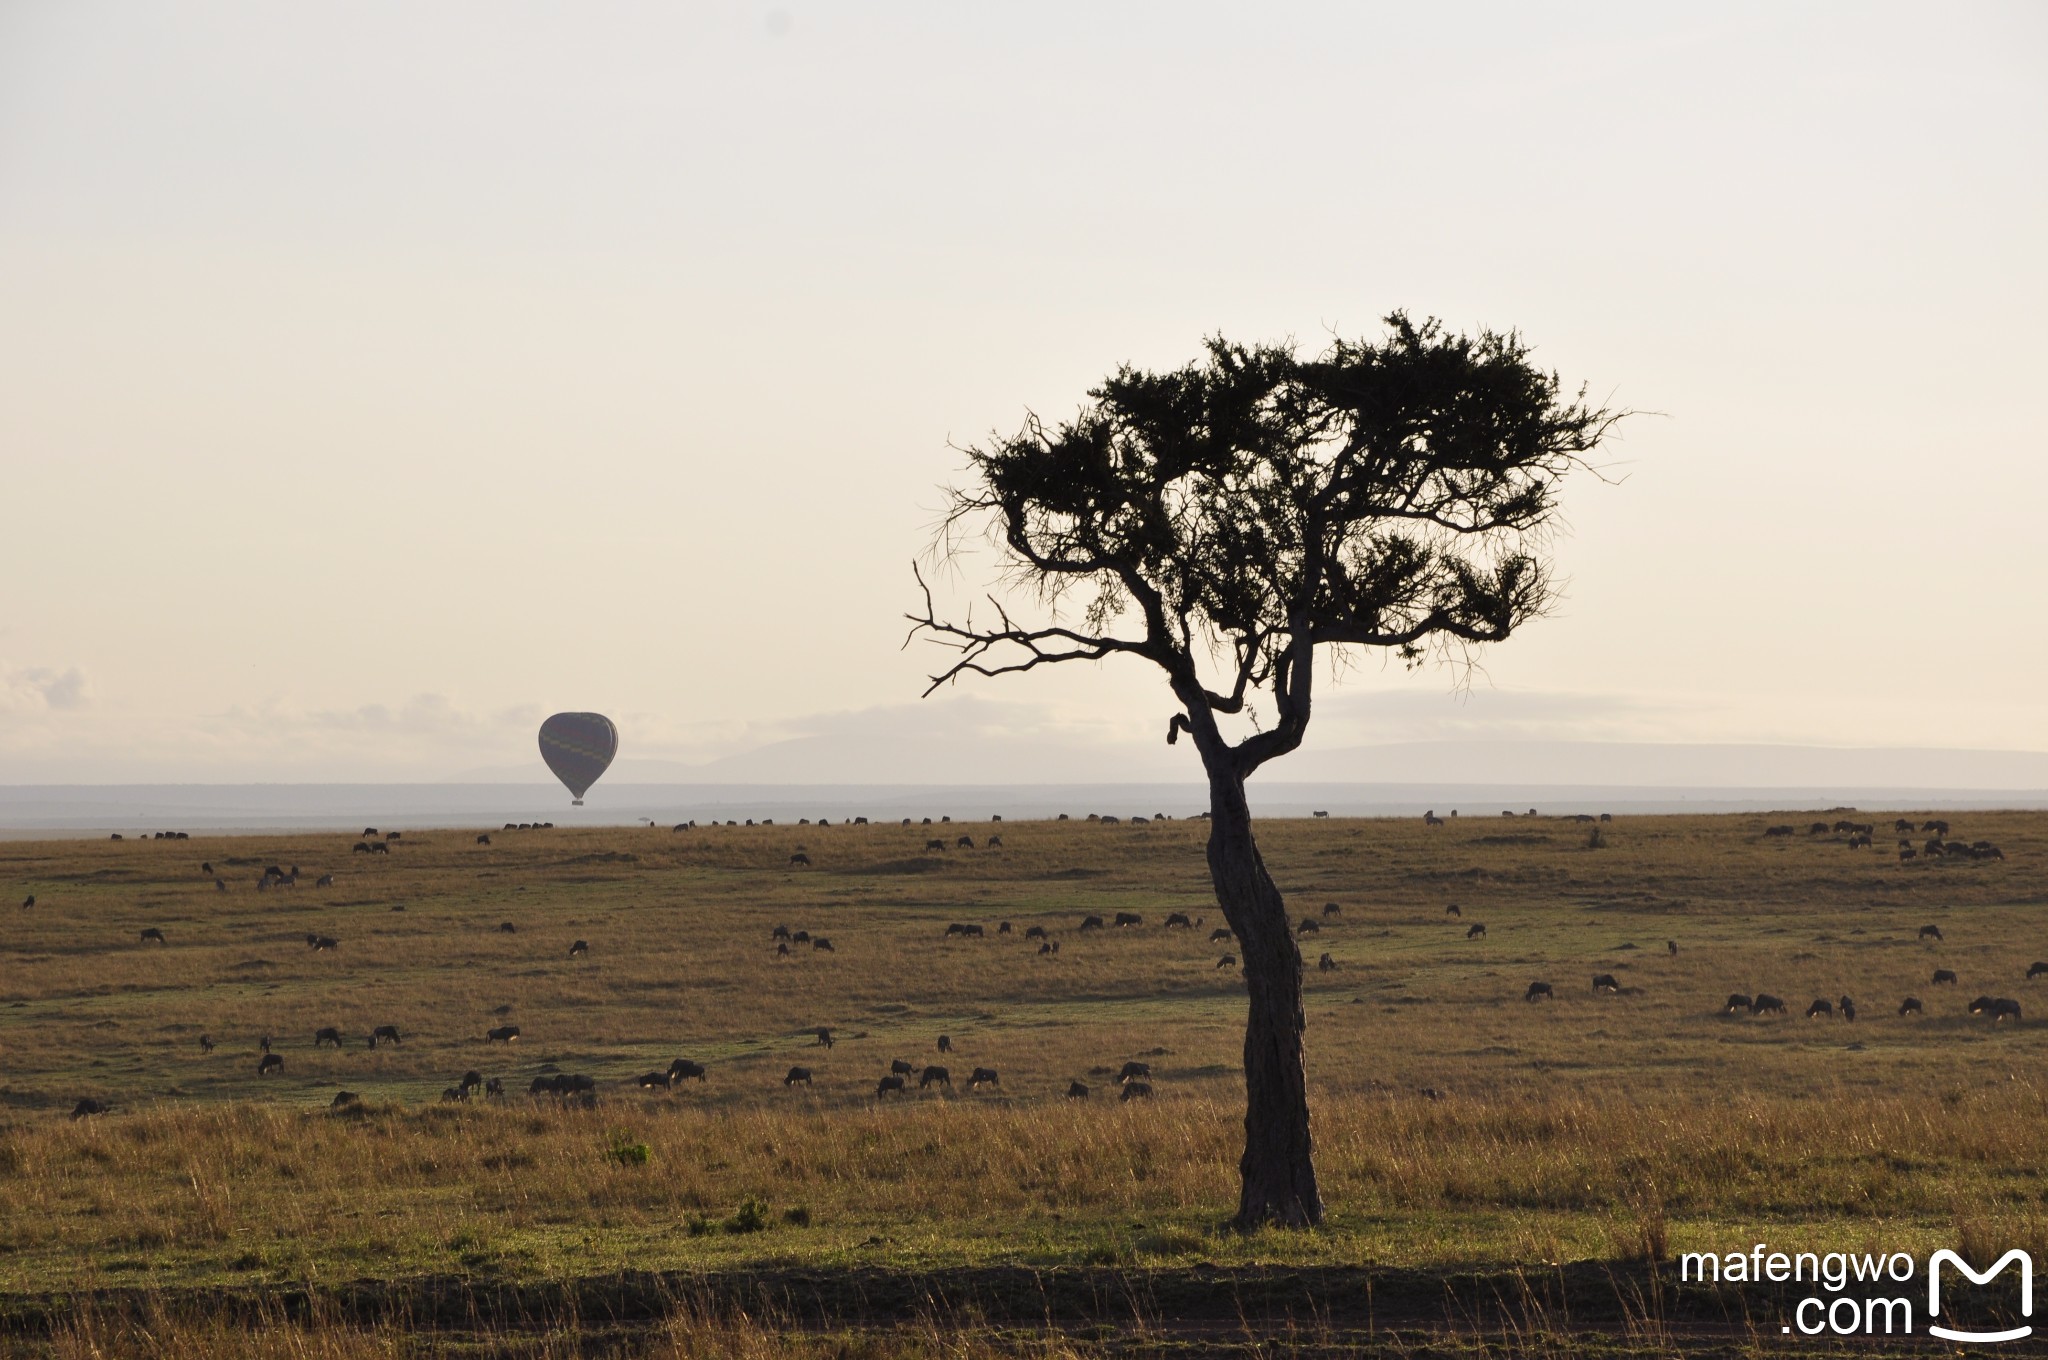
1278,1168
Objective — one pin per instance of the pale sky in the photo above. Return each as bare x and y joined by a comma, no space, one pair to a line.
379,378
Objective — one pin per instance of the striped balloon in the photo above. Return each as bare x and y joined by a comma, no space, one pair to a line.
578,747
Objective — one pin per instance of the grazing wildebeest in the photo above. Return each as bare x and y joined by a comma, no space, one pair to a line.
1939,828
206,866
1431,819
779,933
682,1069
995,842
1129,918
393,835
88,1106
580,947
359,848
1219,934
382,1033
494,1088
1672,947
935,845
483,840
964,843
1902,826
1477,931
1777,831
1077,1090
1087,922
1910,1006
1180,919
782,950
1604,982
1326,964
1847,1008
1452,910
1907,852
819,942
453,1094
507,928
343,1099
2005,1008
1736,1002
888,1084
901,1068
1980,1005
1332,909
1134,1069
648,1081
945,1043
325,1035
323,943
1035,933
801,937
220,885
1821,1006
470,1081
270,1062
1308,926
379,848
799,860
1943,977
1766,1004
983,1076
797,1074
152,933
1817,829
205,1043
1930,932
324,881
1320,814
1136,1090
2036,970
964,930
1050,947
1227,961
935,1074
824,1039
503,1034
1537,991
1003,929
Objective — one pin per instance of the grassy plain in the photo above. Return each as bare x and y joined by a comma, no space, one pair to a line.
1585,1129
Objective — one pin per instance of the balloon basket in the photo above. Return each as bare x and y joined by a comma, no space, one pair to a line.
576,802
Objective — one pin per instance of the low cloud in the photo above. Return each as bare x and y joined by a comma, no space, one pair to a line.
40,689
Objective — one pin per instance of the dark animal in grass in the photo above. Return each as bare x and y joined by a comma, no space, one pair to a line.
379,848
453,1094
1910,1006
1052,947
935,845
797,1074
1930,932
901,1068
964,931
1136,1090
1940,828
470,1081
1821,1006
799,860
152,933
1478,931
779,933
1766,1004
1219,934
494,1088
995,842
1128,918
1180,920
965,843
1326,964
580,947
983,1076
507,928
28,901
384,1034
801,937
1308,926
1452,910
1332,909
220,885
1035,933
483,840
1003,929
782,950
205,1043
1980,1005
648,1081
945,1043
819,942
1736,1002
324,881
1943,977
1087,922
89,1106
1604,982
2005,1008
1672,947
270,1062
1133,1070
1227,961
344,1100
1077,1090
327,1035
888,1084
1538,991
1847,1008
935,1074
824,1039
2036,970
503,1034
682,1069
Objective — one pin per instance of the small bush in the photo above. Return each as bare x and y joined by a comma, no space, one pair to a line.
799,1217
627,1151
751,1217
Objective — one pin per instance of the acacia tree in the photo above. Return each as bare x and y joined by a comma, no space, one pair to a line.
1224,521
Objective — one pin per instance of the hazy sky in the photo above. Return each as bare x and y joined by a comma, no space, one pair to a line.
379,378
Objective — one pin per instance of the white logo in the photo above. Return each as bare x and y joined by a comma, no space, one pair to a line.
1934,1293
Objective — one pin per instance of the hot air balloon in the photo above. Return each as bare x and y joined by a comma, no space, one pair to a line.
578,747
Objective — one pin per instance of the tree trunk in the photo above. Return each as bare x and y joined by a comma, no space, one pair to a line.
1278,1166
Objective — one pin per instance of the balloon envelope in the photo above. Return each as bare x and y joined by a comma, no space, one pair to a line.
578,747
